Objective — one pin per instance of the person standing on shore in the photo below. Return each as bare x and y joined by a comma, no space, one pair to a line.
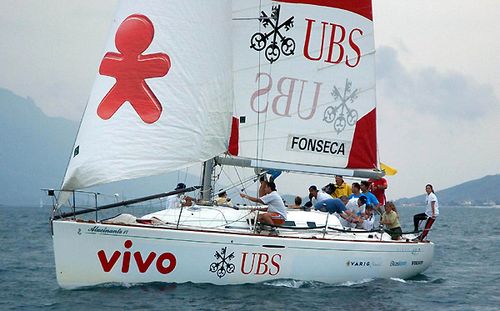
431,212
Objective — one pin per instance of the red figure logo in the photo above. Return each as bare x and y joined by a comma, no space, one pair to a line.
130,68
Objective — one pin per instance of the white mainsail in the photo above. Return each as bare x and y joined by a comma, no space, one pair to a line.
163,97
304,82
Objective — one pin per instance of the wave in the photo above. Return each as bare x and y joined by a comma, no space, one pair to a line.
311,284
293,283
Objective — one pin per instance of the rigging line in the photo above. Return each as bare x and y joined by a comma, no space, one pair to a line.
258,85
185,174
265,116
248,8
233,184
227,222
236,220
250,18
228,177
217,177
344,62
238,174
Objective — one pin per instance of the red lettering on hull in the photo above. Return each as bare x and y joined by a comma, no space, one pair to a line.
165,263
106,264
264,265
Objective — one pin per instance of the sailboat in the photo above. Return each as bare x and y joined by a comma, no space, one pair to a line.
268,85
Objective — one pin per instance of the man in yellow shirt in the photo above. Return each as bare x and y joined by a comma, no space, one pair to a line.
342,187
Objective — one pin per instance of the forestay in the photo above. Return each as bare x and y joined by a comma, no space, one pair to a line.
304,82
163,97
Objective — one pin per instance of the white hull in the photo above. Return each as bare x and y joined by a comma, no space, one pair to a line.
88,254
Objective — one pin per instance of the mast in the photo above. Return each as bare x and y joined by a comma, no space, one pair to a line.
206,184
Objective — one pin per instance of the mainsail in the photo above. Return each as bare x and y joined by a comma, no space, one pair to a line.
163,97
304,83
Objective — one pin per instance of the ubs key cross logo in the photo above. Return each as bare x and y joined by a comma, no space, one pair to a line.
260,41
223,265
342,115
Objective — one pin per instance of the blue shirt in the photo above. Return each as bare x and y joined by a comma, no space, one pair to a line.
371,199
331,206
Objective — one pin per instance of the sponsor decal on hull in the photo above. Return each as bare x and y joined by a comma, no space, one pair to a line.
357,263
363,262
252,263
260,264
163,263
105,230
222,265
415,250
397,263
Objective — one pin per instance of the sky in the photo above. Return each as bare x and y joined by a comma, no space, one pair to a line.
438,79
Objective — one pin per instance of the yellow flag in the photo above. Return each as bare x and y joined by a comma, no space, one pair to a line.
390,171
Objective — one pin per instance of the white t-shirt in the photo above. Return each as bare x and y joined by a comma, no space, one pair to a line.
352,206
368,223
321,196
173,201
274,203
431,197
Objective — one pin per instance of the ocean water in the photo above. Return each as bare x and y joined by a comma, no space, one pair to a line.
465,275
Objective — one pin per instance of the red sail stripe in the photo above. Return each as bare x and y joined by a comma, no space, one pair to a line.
361,7
364,144
234,138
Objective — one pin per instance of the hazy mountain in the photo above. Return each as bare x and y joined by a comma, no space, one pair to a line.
35,149
483,191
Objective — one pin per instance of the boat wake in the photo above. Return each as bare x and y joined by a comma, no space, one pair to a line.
292,283
312,284
354,283
420,279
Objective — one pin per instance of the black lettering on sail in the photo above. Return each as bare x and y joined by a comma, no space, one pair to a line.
317,145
